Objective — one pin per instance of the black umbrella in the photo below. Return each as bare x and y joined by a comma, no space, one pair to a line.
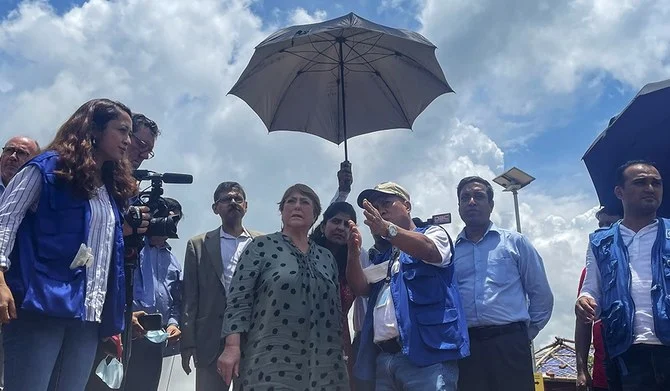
641,131
341,78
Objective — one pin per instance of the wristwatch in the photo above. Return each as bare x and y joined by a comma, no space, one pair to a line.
392,232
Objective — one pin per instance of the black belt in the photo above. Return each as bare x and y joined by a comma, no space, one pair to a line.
487,332
391,346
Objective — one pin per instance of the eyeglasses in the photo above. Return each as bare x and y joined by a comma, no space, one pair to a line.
228,199
144,147
20,153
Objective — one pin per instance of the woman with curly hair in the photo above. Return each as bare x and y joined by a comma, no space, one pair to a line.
61,250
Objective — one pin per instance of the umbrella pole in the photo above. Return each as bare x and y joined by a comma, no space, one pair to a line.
340,40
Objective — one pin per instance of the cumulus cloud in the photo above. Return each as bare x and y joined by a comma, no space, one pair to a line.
302,16
519,67
514,69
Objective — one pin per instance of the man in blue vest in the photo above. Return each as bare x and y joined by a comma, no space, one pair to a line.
414,330
505,292
628,280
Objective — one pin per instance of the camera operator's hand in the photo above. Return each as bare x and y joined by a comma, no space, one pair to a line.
141,212
138,330
7,306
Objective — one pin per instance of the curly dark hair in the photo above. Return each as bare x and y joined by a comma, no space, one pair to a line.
74,144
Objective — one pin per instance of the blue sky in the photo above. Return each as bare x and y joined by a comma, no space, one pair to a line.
558,145
535,82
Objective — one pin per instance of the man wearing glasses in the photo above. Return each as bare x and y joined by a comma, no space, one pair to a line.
209,264
141,148
16,152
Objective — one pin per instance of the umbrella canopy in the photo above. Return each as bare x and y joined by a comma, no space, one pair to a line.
641,131
294,79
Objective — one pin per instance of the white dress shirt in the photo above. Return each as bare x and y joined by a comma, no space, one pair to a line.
231,249
639,252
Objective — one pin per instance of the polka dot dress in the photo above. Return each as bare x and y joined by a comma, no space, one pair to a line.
286,305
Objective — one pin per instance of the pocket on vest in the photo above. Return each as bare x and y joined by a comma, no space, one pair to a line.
55,292
424,287
439,328
616,323
58,271
608,274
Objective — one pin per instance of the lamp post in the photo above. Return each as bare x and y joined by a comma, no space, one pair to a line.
514,180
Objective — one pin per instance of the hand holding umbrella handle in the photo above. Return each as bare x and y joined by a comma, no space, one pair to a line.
345,177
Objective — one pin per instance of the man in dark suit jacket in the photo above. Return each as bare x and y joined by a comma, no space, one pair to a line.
209,265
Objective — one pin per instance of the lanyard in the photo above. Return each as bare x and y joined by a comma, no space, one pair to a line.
395,255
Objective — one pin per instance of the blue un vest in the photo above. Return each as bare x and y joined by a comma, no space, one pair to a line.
617,306
47,241
431,320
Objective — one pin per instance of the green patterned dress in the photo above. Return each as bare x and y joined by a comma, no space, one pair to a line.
286,306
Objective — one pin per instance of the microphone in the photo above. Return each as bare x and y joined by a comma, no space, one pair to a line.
171,177
168,177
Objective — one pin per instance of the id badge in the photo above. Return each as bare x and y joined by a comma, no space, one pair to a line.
384,295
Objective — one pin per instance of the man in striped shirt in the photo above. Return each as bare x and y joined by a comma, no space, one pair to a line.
16,152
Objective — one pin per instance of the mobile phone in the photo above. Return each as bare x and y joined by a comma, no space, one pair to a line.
151,321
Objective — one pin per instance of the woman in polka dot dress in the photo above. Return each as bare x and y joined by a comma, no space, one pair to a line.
282,322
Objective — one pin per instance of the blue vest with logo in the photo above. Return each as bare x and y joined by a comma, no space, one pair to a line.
617,306
47,241
431,320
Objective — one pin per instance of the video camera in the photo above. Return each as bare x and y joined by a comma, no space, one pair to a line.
442,218
161,223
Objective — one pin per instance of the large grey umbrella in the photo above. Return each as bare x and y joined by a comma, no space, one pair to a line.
294,79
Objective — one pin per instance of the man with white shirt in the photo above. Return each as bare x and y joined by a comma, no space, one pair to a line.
627,282
415,331
209,264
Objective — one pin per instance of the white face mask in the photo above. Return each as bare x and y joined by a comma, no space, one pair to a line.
111,374
376,273
157,336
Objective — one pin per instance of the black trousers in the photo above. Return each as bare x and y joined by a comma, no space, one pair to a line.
143,373
146,364
645,368
500,360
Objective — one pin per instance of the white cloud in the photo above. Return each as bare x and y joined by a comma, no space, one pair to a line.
302,16
513,68
532,61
